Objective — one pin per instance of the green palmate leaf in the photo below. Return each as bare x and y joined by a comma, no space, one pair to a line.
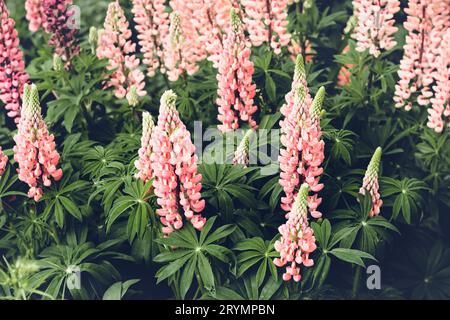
195,255
406,195
134,204
342,144
256,252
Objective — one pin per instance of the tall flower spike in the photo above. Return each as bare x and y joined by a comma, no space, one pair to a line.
13,76
152,25
235,88
299,81
35,149
3,162
143,164
211,18
440,103
56,22
303,148
242,154
312,153
115,45
426,23
183,48
93,39
266,21
174,164
375,25
370,183
297,240
34,14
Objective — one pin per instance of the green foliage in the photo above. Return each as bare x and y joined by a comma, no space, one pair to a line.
100,222
134,202
256,251
405,194
194,256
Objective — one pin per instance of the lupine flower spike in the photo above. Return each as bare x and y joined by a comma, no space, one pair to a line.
58,64
375,25
242,154
13,76
182,47
212,18
3,162
115,45
297,240
35,149
370,183
236,90
174,164
56,21
35,14
152,25
303,147
313,153
143,164
424,68
266,21
440,103
93,39
298,82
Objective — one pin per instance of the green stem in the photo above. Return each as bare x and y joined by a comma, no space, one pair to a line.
356,282
370,84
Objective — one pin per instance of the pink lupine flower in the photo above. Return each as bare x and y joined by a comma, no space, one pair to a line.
266,21
426,23
370,183
57,22
297,240
312,148
297,102
35,14
143,164
3,162
13,76
115,45
303,147
211,20
242,154
182,48
298,82
35,149
174,164
440,103
235,88
152,25
375,25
